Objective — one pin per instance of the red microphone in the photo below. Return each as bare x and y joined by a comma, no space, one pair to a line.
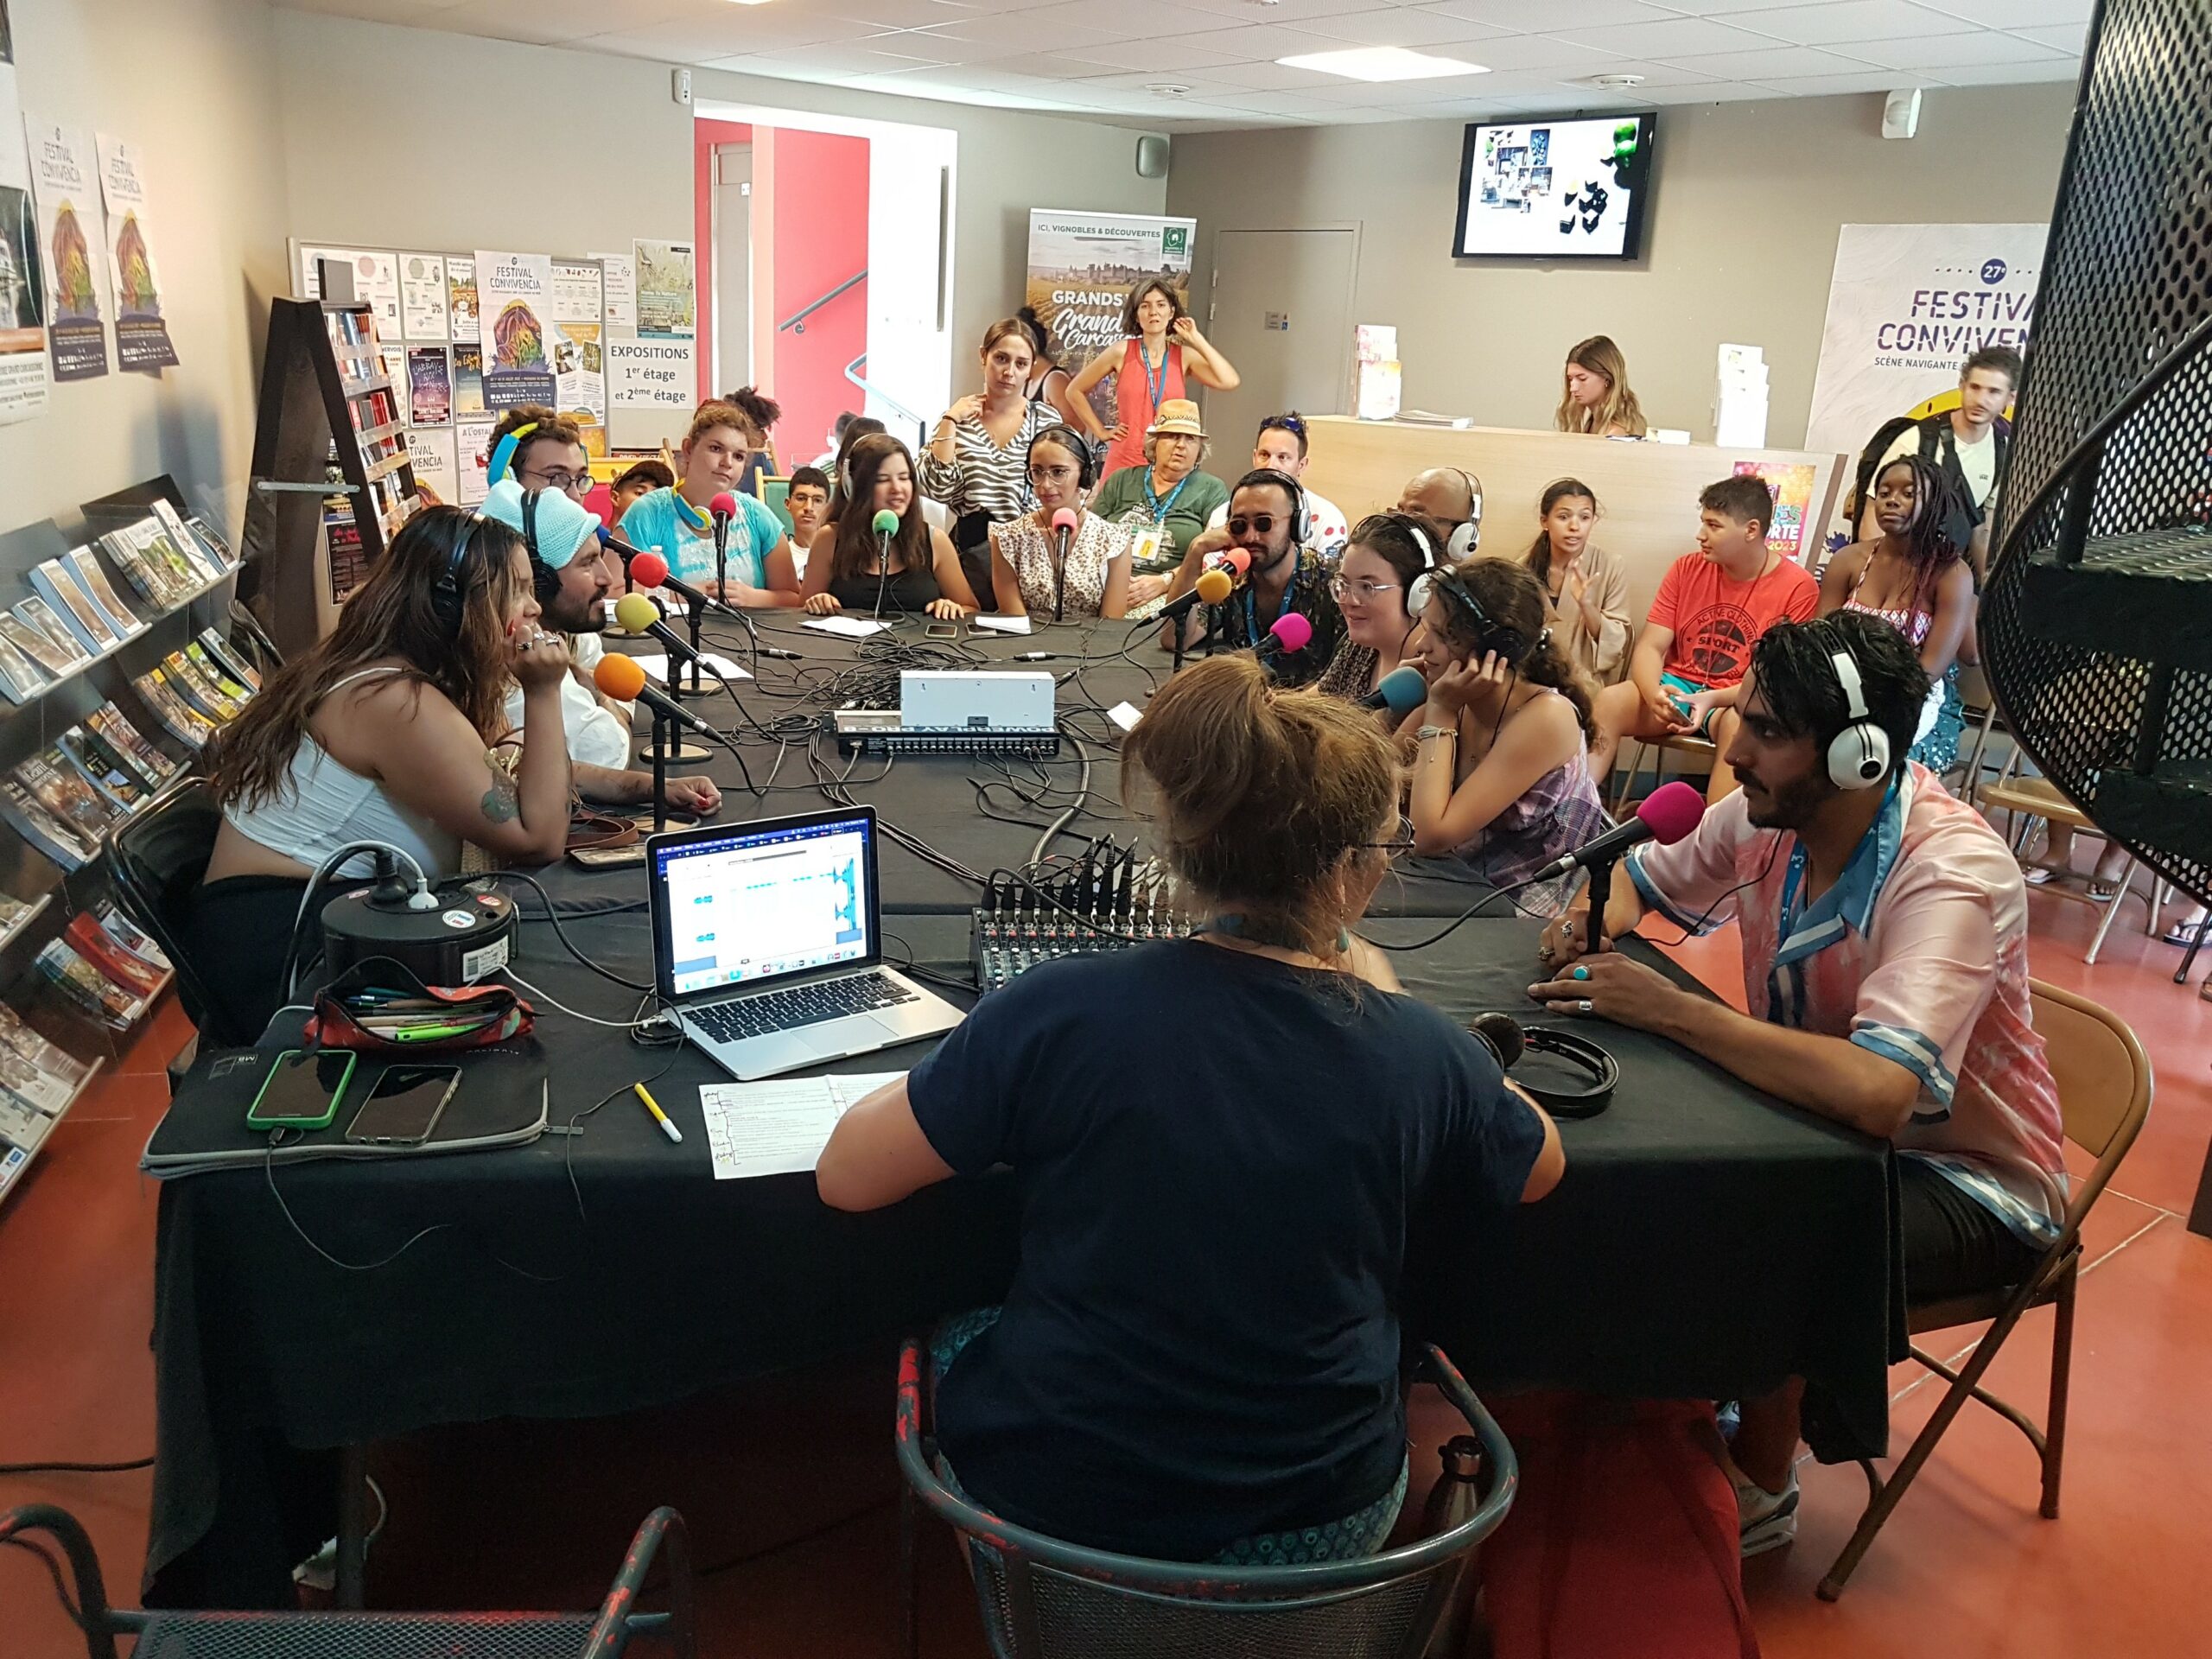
649,568
723,506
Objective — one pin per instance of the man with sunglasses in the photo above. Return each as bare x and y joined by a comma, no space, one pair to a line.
1280,447
1283,576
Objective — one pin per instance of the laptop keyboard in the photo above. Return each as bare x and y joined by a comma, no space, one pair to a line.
803,1005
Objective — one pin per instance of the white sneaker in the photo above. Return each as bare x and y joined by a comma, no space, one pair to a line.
1765,1520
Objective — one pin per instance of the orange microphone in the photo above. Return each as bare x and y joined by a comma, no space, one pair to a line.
622,679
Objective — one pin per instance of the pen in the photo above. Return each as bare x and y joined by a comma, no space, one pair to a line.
659,1116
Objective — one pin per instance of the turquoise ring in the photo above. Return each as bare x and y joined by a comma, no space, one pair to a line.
1582,973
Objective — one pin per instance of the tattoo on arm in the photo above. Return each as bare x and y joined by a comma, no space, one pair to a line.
501,801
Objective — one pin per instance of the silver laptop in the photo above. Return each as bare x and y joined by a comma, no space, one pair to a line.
768,944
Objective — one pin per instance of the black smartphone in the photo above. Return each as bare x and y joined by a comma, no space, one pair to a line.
302,1090
941,631
405,1106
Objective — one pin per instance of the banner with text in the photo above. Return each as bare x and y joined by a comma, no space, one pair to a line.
1907,305
516,290
1081,269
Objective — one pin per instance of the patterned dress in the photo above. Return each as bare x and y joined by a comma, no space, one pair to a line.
1028,547
1557,813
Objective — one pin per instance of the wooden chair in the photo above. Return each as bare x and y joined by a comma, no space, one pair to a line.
1682,743
2029,800
2104,1094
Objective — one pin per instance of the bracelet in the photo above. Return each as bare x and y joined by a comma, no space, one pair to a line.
1427,732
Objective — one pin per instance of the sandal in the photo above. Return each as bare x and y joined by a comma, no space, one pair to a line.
2038,876
2185,934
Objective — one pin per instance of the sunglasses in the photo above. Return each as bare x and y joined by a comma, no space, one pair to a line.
1259,523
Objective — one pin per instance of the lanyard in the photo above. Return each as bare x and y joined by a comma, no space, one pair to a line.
1160,508
1155,383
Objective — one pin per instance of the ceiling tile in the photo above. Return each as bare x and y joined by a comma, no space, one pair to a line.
2073,39
1016,34
1147,53
1269,76
1531,16
818,62
1717,92
1675,37
1289,11
1840,21
1868,81
1262,43
2011,74
1515,52
729,31
906,14
1654,74
2016,14
1939,52
1402,26
1768,63
1200,86
1049,65
1125,18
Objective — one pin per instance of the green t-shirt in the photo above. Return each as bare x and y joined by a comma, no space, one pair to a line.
1126,497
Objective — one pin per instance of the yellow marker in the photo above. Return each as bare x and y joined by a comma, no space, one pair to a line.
659,1116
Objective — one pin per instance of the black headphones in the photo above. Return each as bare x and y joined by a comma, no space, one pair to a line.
544,580
1452,582
1508,1040
1069,439
1300,519
446,600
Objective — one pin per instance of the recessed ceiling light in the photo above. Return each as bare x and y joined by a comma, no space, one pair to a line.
749,2
1383,63
1168,88
1614,83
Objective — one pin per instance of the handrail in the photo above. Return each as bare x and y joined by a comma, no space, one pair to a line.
852,374
797,320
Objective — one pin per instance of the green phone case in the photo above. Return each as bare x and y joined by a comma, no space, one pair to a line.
254,1120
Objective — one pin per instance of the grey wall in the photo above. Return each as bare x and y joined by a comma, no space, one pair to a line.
189,81
618,164
1738,245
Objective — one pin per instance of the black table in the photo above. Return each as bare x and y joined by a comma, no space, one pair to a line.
1704,1243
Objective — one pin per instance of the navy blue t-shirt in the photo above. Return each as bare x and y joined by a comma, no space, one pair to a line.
1219,1158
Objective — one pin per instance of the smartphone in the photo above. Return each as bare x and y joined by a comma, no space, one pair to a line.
405,1106
302,1090
941,631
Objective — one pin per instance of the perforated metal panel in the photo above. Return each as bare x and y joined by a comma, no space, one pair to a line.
2080,663
363,1635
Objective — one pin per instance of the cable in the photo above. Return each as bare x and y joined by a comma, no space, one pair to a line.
54,1571
588,1019
322,873
1698,926
1083,787
1454,926
7,1469
553,915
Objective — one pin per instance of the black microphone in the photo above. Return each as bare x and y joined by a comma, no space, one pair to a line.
1668,813
622,679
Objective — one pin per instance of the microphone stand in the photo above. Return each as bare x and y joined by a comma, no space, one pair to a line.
666,746
1059,573
663,746
882,572
1601,893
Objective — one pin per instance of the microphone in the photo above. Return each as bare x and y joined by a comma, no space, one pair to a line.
1402,690
1224,574
722,509
1291,634
1669,812
622,679
886,526
1064,526
639,615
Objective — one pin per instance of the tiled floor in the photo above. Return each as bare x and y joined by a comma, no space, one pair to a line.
535,1514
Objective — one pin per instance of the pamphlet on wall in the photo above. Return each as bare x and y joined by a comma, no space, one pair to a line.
423,303
472,439
517,293
462,310
429,387
431,450
620,296
467,380
1739,407
71,230
142,332
575,292
23,313
667,285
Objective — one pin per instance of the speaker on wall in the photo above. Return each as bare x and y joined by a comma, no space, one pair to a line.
1152,156
1901,113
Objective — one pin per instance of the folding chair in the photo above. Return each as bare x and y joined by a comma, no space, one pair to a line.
1680,743
2104,1094
2031,800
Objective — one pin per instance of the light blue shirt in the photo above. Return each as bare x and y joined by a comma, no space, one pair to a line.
656,523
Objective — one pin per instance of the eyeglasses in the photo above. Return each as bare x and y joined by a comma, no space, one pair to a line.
560,478
1365,592
1259,523
1401,843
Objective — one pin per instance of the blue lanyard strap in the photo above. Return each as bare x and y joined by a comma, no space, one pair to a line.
1155,383
1160,508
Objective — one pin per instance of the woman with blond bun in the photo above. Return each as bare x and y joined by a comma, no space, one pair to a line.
1595,398
1199,1357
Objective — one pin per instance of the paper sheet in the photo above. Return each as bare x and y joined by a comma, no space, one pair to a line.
780,1126
1001,624
849,628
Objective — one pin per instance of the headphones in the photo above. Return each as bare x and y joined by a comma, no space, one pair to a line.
503,452
446,602
544,580
1086,464
1452,584
1858,756
1301,520
1508,1040
1468,537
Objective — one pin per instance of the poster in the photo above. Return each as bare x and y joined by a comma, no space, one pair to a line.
309,285
1081,269
142,334
575,292
1907,305
431,453
667,290
422,296
460,300
472,439
517,294
1793,504
429,387
620,297
468,380
23,289
651,374
580,370
70,232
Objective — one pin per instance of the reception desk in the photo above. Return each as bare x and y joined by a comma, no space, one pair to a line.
1647,493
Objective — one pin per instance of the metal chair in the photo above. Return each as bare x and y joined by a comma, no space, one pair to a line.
2104,1094
159,856
1680,743
1044,1599
163,1634
2029,800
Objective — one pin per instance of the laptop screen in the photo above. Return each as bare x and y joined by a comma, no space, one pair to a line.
753,904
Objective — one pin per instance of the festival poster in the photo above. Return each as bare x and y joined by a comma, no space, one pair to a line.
580,370
666,275
575,292
468,380
422,296
620,294
22,296
460,300
472,441
1081,269
431,452
70,232
429,387
142,332
1792,485
516,291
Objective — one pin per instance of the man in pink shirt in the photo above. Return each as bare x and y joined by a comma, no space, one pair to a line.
1885,938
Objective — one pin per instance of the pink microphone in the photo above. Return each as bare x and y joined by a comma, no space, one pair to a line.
1065,521
1668,813
1292,632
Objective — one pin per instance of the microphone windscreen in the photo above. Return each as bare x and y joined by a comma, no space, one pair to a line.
1402,690
1214,586
649,570
636,613
885,521
1292,632
1065,519
723,506
606,535
1501,1034
617,676
1672,810
1239,561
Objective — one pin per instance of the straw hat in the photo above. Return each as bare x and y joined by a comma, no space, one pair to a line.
1176,416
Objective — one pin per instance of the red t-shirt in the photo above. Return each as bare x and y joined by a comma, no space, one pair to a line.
1717,621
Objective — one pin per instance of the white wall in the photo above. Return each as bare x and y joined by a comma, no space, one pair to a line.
1738,244
190,81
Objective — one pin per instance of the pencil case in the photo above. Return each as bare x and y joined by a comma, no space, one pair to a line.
380,1007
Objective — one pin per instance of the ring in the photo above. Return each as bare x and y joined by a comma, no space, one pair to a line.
1545,953
1567,930
1581,972
1586,1005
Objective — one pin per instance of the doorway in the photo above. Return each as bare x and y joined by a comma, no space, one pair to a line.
732,242
1281,311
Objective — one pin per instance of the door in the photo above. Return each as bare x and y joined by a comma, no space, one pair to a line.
1281,313
733,343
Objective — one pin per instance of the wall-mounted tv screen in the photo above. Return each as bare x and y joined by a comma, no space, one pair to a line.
1555,189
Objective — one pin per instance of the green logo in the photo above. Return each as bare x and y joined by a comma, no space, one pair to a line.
1174,238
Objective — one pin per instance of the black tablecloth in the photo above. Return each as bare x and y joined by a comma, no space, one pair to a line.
1705,1241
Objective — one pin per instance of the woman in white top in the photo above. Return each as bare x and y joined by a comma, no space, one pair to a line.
380,732
1028,574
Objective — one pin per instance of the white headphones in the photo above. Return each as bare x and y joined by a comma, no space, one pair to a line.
1858,756
1468,537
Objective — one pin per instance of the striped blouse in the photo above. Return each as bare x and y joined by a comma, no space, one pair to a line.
982,477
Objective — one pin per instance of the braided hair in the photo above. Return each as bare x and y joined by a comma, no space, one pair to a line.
1928,549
